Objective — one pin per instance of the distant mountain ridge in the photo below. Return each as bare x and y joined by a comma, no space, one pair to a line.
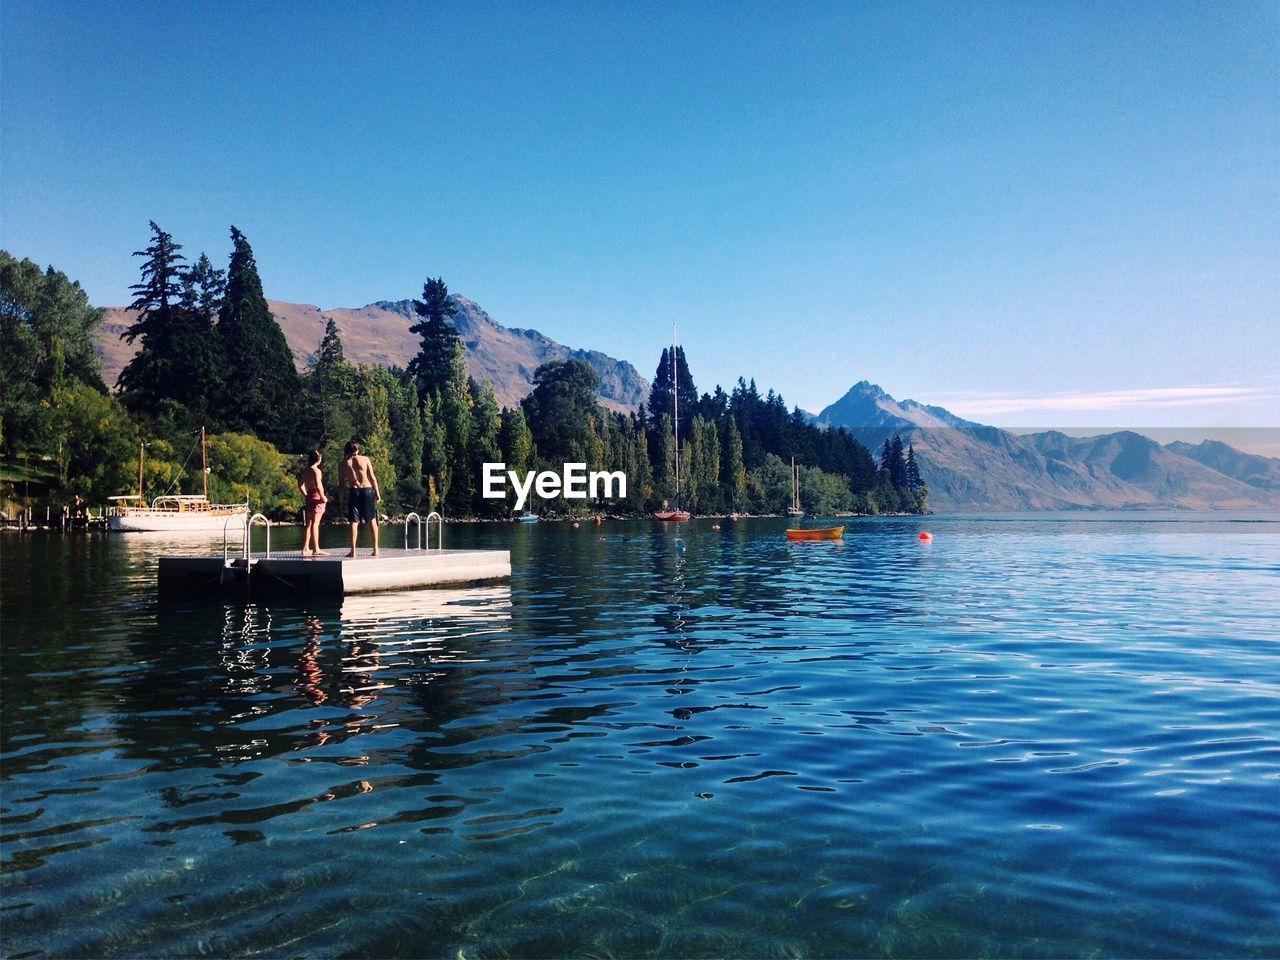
1262,472
971,466
378,333
968,465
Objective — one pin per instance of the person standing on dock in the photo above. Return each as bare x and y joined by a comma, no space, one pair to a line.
311,483
360,484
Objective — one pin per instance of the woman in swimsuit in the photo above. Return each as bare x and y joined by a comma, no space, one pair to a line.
311,483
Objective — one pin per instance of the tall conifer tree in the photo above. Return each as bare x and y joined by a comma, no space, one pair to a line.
262,383
662,393
440,372
200,364
897,464
150,375
913,470
331,393
434,366
330,352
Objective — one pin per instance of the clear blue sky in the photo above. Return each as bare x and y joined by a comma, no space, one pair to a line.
1030,212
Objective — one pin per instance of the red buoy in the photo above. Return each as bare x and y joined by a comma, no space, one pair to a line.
926,536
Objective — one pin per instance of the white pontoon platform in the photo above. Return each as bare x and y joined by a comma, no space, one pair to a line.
335,574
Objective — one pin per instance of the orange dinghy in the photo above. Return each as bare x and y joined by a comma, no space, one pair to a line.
815,533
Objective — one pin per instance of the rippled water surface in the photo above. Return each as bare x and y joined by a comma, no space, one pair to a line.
1034,737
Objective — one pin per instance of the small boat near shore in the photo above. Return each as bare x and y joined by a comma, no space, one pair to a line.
173,513
527,517
815,533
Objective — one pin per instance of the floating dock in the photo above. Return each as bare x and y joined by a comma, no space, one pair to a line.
336,574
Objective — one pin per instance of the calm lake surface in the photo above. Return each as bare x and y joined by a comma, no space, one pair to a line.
1043,736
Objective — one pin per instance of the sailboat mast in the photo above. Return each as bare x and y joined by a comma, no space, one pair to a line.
675,392
141,454
204,466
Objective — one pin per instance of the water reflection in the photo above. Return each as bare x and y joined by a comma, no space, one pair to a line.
415,608
673,562
309,681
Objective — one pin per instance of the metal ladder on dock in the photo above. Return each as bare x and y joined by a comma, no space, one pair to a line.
237,570
414,518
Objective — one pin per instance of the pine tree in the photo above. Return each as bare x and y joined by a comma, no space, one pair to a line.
433,367
200,365
897,464
330,353
150,376
746,406
440,373
660,391
261,383
663,392
913,470
918,490
203,287
330,395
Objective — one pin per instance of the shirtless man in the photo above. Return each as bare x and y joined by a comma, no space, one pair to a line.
360,485
311,483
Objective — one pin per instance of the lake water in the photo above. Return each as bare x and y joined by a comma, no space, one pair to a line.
1043,737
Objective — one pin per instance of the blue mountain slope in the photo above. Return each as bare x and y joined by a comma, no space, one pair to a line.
972,466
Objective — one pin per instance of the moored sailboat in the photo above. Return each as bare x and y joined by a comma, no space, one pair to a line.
794,510
173,513
667,512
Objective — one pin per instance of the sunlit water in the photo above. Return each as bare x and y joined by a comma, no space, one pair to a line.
1041,737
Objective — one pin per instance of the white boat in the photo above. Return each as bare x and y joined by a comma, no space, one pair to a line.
174,513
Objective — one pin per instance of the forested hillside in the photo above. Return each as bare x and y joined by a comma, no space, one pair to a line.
208,352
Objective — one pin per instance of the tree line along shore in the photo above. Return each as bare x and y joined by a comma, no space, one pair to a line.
210,354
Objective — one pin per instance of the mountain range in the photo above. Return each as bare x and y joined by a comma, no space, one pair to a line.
968,466
378,333
971,466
